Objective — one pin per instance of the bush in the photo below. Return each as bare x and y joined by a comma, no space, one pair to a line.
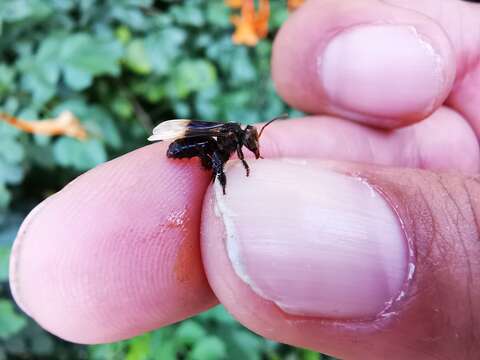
121,67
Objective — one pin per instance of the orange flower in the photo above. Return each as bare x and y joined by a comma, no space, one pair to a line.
234,4
251,25
294,4
64,124
245,25
261,19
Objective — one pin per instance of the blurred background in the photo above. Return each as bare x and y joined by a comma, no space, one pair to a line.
120,67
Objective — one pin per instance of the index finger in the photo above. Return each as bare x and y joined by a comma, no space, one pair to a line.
116,252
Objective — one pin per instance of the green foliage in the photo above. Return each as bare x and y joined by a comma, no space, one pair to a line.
4,256
213,335
121,66
10,322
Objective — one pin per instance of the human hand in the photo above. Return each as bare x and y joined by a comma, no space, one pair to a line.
354,260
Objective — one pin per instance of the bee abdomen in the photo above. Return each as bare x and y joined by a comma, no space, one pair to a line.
190,147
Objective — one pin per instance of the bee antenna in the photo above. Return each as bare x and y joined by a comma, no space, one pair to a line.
283,116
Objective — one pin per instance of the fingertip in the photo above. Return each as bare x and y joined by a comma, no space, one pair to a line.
280,233
115,253
366,61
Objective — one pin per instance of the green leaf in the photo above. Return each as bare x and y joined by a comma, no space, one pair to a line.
7,130
163,46
4,257
136,58
310,355
130,16
5,197
208,348
42,344
92,55
11,11
10,106
242,344
81,155
101,123
77,79
152,89
40,73
279,13
11,150
218,314
189,332
123,34
122,107
206,103
162,344
41,155
7,75
139,348
182,110
192,75
139,3
9,174
242,69
188,14
16,345
9,225
107,351
167,351
218,14
10,322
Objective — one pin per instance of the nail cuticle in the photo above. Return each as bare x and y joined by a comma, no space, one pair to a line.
392,307
226,215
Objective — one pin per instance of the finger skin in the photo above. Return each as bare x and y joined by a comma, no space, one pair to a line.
437,318
443,141
115,253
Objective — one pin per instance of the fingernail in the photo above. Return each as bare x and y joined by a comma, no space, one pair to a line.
382,70
313,241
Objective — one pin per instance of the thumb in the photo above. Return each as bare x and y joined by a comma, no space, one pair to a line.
351,260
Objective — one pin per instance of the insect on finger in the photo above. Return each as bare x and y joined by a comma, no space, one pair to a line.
212,142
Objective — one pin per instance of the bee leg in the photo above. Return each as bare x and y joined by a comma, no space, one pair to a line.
200,147
223,181
218,163
206,160
241,157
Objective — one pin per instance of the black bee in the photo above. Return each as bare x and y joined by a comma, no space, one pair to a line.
213,142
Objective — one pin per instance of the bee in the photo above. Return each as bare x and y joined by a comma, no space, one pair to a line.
213,142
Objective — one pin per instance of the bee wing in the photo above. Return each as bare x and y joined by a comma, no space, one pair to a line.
182,128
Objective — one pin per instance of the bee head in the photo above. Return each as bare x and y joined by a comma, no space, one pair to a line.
250,140
251,137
